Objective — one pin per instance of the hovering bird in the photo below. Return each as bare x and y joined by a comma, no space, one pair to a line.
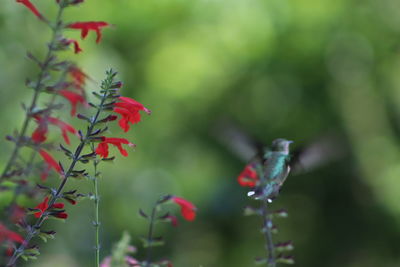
276,160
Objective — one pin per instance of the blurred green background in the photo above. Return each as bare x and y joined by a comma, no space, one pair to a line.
297,69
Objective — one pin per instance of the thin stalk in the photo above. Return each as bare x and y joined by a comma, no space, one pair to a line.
44,69
96,222
31,161
267,226
150,235
267,220
35,228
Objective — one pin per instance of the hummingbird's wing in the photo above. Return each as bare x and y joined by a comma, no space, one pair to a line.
318,153
321,151
238,141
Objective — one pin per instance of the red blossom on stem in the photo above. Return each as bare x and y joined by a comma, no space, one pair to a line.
45,172
64,127
173,220
39,135
73,98
77,48
87,26
50,161
129,109
8,235
44,205
248,177
188,210
31,7
102,148
17,213
78,76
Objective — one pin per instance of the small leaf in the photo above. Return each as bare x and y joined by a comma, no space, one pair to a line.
248,211
282,213
285,259
83,117
260,261
143,214
284,246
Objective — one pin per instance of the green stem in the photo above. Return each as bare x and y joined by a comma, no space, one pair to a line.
267,220
150,235
267,226
34,230
29,165
44,69
96,222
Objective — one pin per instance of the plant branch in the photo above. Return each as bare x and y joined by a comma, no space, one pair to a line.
44,70
150,235
33,230
96,221
267,227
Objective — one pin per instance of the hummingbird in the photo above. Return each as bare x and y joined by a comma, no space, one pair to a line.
277,160
275,169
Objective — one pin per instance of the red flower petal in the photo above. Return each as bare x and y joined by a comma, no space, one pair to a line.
102,148
129,109
42,206
78,76
73,98
31,7
188,210
248,177
65,127
17,213
45,173
58,205
173,219
61,215
6,234
77,48
40,133
50,161
85,27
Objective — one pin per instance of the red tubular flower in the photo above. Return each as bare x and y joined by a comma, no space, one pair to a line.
129,109
6,234
188,210
78,76
173,220
77,48
40,133
9,251
85,27
17,213
64,127
50,161
44,205
248,177
73,98
31,7
102,148
45,173
61,215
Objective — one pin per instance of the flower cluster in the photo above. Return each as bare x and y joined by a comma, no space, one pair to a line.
83,26
55,209
65,80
